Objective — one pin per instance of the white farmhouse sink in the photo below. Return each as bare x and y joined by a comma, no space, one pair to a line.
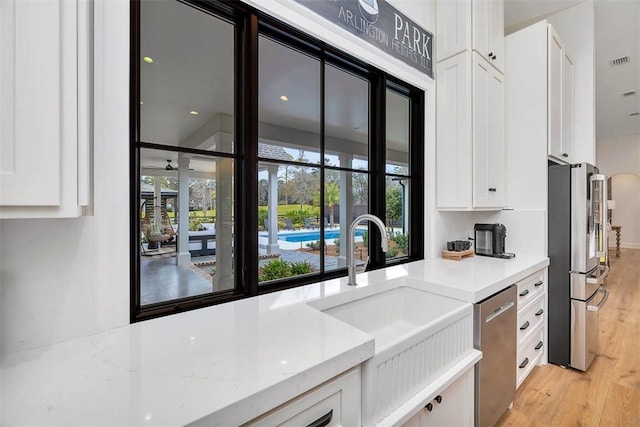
418,335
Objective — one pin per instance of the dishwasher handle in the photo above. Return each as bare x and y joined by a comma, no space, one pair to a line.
498,311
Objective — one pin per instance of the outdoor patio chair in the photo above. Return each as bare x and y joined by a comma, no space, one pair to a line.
156,226
288,225
307,224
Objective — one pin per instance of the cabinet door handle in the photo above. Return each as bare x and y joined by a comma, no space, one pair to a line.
539,346
539,312
439,399
494,57
491,55
323,420
429,407
565,155
538,284
524,326
525,292
524,363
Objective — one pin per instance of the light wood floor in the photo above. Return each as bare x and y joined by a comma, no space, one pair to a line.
609,393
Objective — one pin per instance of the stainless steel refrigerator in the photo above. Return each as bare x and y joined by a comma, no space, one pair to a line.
577,251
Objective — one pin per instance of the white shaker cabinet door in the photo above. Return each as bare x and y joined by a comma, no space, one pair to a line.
45,115
555,52
454,141
32,56
567,108
488,135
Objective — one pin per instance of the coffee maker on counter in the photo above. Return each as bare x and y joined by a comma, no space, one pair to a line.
490,240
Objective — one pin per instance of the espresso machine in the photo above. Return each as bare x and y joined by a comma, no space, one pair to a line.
490,240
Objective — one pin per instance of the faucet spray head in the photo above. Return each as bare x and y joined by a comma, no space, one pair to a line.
384,244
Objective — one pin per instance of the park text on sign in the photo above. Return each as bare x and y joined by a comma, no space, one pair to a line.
381,25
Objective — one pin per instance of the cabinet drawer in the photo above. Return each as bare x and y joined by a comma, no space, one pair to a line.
529,354
529,288
529,318
335,403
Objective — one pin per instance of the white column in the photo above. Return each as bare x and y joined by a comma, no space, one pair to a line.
346,204
272,245
184,256
223,278
157,191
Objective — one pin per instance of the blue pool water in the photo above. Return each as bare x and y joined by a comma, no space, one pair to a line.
312,236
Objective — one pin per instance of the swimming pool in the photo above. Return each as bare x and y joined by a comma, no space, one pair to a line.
312,236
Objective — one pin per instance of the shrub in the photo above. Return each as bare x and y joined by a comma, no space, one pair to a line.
262,215
298,268
365,238
275,269
392,252
337,243
280,269
314,245
403,242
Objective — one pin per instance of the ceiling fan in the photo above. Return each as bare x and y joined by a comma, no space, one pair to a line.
168,167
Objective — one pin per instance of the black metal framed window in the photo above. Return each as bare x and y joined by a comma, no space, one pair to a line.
253,148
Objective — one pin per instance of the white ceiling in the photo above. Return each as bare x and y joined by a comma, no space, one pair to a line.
193,71
617,31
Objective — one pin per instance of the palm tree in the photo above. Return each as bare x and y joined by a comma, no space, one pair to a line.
331,198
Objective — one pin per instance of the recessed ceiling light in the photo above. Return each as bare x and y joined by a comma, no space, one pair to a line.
284,98
193,112
148,59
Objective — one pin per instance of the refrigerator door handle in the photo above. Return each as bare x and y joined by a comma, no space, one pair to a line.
600,214
598,280
602,301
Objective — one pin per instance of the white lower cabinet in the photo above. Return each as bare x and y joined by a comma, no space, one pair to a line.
334,403
531,325
452,407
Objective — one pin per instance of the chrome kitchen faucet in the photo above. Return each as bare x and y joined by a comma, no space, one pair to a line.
352,268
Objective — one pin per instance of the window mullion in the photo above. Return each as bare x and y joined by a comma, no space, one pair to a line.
246,174
377,152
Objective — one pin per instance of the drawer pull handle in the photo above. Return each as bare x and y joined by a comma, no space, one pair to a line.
539,346
429,407
439,399
524,326
538,283
539,312
323,420
524,363
525,292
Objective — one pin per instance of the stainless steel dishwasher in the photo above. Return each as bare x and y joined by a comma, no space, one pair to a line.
495,335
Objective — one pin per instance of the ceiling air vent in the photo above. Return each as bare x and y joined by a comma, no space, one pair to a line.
619,61
637,113
629,93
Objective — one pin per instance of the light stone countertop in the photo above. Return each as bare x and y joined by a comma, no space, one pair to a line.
236,360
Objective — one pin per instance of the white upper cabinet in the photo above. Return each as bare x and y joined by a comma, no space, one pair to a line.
488,135
560,96
471,24
470,135
45,115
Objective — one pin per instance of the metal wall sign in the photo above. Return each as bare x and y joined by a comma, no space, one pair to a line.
382,26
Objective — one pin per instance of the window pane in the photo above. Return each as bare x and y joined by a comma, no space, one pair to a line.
288,220
398,107
397,216
186,77
179,192
346,196
288,103
346,119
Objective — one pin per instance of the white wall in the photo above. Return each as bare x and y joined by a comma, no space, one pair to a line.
620,154
576,28
61,279
619,158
